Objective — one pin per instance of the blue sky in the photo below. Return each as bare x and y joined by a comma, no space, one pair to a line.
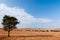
38,8
47,9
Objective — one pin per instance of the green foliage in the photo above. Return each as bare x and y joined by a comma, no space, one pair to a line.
9,22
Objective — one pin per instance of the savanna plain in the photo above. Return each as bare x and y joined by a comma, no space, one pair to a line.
30,34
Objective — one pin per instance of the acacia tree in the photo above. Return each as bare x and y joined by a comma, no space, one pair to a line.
9,23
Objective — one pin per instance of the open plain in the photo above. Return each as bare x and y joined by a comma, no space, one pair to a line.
30,34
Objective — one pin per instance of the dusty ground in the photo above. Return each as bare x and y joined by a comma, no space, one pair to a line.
29,34
29,38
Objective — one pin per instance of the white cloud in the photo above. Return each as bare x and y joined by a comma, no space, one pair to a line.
26,20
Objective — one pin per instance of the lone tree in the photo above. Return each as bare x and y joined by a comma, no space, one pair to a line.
9,23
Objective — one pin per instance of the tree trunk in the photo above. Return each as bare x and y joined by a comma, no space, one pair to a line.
9,33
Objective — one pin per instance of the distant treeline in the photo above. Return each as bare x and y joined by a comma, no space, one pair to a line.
39,30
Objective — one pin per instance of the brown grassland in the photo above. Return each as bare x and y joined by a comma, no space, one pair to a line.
30,34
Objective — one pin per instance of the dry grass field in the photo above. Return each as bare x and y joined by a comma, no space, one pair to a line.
30,34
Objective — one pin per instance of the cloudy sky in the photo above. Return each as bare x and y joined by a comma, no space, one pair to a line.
32,13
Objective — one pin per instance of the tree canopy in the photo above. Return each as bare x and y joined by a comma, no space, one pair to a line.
9,23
